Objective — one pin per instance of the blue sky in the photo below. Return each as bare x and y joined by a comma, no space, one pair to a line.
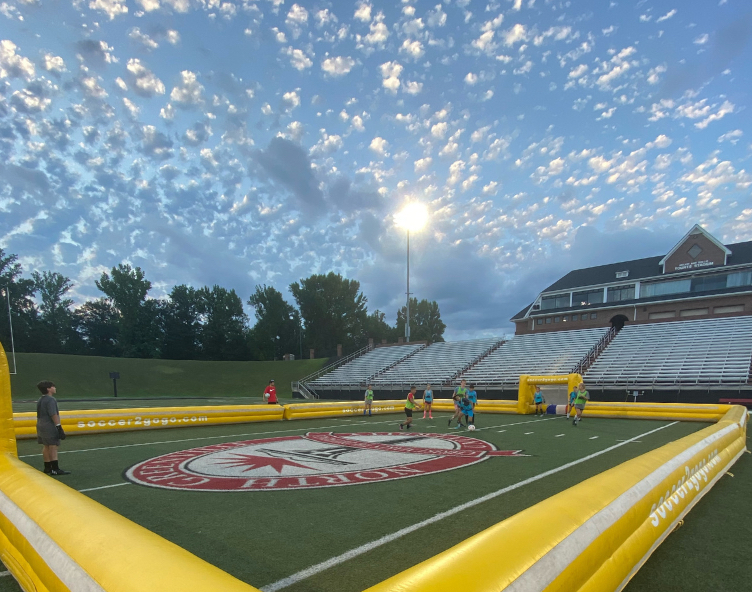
251,142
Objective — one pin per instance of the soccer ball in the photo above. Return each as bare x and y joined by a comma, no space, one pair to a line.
471,427
266,395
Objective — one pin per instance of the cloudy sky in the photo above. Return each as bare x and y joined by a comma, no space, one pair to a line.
250,142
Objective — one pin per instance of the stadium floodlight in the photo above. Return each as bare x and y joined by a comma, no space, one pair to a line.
412,217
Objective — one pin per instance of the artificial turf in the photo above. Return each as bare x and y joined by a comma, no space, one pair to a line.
262,537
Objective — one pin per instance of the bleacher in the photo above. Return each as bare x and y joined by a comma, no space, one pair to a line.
436,364
536,354
701,352
359,370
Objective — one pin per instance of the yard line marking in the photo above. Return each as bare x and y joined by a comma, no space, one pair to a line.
324,565
502,431
103,487
634,441
4,573
593,438
528,433
558,435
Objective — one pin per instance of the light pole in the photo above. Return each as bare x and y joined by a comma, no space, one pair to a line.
300,333
10,324
413,216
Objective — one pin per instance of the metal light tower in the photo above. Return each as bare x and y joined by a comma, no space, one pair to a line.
413,217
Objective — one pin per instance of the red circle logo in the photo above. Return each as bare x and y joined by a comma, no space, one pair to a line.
311,461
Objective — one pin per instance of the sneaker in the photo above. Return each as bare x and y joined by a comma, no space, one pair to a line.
408,426
59,472
402,427
574,422
449,423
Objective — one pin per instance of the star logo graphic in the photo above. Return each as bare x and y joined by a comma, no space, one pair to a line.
251,462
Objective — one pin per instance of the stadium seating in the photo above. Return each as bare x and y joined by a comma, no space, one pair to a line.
436,364
701,352
542,353
359,370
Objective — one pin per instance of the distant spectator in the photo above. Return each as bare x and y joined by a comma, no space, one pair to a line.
427,402
49,430
368,400
539,401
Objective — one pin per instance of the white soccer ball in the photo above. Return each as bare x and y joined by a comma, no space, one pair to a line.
471,427
266,395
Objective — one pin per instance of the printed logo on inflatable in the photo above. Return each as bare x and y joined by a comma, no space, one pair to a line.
311,461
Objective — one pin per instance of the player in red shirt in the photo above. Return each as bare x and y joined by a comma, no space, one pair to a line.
270,394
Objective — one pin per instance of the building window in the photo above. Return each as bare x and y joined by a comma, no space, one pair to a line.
668,314
665,288
558,301
548,320
587,297
694,312
594,315
622,274
557,319
701,283
539,322
575,317
740,278
729,308
619,293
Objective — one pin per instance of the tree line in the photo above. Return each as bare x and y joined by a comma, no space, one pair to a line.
207,323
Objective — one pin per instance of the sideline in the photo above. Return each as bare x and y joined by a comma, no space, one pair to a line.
359,422
334,561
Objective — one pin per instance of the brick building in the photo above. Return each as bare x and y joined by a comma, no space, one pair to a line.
699,278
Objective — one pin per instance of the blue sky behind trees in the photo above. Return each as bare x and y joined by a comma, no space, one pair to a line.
242,143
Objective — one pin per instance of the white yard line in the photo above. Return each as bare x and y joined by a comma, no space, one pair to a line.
4,573
559,435
104,487
318,568
593,438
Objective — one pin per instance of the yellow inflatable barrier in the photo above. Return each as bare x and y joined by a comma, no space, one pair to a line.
527,388
340,409
483,406
595,535
115,420
665,411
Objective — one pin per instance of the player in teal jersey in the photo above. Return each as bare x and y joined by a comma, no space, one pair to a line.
473,397
539,401
427,402
459,393
368,400
466,408
572,397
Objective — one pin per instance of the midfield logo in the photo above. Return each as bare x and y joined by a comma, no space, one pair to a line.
312,461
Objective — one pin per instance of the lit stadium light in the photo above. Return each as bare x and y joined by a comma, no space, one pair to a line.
412,217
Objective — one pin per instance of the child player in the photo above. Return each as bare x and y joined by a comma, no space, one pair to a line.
579,403
459,393
466,408
368,400
572,397
410,404
539,400
427,402
473,396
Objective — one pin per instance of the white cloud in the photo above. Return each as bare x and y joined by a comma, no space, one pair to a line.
142,38
436,17
411,87
723,110
179,5
423,164
189,91
338,66
167,112
471,79
379,33
298,60
144,80
666,16
701,40
390,72
491,189
327,145
514,35
111,8
379,146
578,71
363,12
439,130
357,123
414,49
296,19
132,108
148,5
53,63
291,99
13,65
485,42
653,74
92,88
26,101
732,136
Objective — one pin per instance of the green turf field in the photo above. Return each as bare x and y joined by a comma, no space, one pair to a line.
267,537
80,377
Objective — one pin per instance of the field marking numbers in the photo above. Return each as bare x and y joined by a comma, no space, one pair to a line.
334,561
104,487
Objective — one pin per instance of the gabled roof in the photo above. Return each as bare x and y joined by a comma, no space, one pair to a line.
696,229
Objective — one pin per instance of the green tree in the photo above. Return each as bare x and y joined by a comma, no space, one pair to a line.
19,293
98,323
277,324
334,311
377,328
425,321
182,324
138,321
56,315
224,331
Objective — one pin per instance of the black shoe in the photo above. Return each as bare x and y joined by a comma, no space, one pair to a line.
47,471
59,472
449,423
